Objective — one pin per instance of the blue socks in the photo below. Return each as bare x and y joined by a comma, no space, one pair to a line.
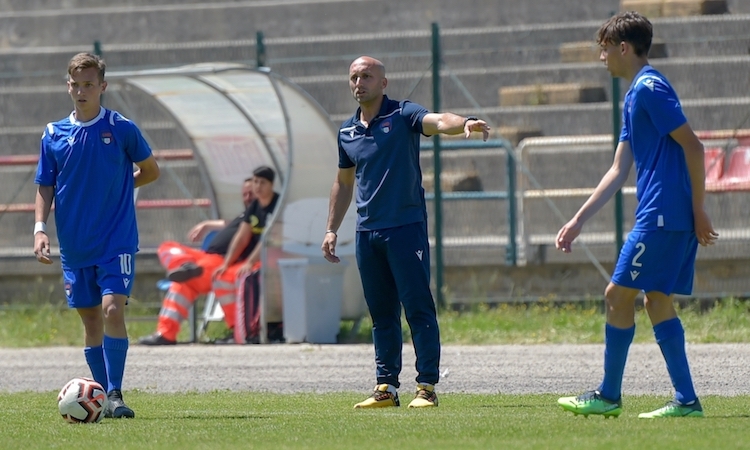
616,345
95,360
671,339
115,352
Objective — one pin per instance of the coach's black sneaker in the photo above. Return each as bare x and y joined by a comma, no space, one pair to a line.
155,339
116,407
185,272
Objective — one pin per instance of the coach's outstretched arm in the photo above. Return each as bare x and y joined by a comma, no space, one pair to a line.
449,123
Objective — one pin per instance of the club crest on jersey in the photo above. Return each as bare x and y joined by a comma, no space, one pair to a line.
68,289
386,127
107,138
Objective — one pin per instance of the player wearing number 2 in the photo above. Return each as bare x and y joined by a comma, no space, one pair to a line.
86,165
658,257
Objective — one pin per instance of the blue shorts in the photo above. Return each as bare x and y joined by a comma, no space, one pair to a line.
84,288
658,260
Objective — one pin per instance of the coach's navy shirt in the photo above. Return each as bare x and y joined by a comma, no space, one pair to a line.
386,157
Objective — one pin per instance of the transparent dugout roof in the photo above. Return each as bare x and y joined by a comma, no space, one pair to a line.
239,118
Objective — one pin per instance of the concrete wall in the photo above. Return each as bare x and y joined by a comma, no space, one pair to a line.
489,44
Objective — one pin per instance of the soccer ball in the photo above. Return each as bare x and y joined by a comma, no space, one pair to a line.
82,400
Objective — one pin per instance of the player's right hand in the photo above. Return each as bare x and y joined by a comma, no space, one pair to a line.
219,272
567,235
329,248
41,248
197,232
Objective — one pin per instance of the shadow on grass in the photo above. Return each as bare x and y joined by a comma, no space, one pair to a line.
516,406
204,417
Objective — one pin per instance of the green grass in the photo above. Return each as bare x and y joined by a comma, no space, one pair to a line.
224,420
534,323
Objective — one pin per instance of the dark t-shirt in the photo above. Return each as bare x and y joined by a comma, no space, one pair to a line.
220,243
256,215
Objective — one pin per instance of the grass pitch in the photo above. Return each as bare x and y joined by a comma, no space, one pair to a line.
224,420
228,420
727,320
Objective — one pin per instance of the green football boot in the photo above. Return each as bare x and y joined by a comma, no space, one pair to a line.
589,403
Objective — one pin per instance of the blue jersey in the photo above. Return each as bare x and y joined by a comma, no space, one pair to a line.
652,111
91,167
386,157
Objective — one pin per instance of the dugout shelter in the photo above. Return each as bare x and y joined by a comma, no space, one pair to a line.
233,118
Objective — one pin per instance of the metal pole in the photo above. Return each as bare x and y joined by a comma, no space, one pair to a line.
511,251
436,162
260,50
615,140
98,52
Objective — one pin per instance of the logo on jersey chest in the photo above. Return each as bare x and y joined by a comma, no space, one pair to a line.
106,137
68,290
386,126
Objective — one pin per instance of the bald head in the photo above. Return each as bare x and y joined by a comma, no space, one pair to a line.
377,67
367,81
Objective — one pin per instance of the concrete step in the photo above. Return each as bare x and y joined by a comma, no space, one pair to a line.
401,50
154,226
488,165
24,140
725,208
551,120
596,118
692,78
148,23
179,179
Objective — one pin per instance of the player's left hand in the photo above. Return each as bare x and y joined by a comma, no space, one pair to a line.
477,125
41,248
704,230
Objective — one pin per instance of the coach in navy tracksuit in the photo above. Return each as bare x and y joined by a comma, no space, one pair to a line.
379,149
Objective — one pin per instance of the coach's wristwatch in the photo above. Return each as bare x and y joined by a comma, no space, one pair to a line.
470,118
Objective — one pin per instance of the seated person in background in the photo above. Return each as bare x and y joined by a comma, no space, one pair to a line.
191,270
248,236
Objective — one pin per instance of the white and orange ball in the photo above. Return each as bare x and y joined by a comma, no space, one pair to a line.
82,400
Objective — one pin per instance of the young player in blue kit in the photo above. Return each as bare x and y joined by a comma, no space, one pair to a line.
658,257
86,167
379,150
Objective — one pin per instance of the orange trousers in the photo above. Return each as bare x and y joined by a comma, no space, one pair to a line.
181,296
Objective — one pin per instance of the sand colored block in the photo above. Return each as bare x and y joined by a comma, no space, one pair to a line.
551,94
680,8
648,8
